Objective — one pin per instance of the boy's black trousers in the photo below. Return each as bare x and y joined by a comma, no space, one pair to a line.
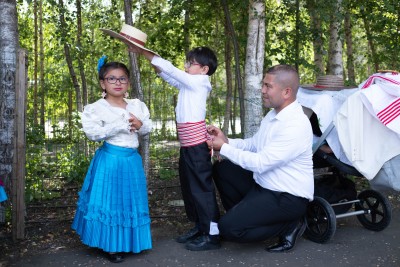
198,190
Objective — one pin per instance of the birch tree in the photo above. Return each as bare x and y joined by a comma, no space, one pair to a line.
9,45
254,67
335,52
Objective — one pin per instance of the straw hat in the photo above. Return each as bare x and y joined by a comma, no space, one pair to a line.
130,35
328,82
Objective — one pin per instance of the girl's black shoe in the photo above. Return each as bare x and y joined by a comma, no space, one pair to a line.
116,257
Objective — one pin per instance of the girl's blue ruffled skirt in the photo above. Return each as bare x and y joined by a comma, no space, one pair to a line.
3,195
113,211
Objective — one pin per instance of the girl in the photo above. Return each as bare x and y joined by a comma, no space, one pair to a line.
3,195
112,211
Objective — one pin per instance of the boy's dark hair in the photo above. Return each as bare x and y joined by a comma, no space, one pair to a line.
205,57
112,66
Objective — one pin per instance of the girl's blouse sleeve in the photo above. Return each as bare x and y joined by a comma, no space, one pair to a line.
145,118
97,129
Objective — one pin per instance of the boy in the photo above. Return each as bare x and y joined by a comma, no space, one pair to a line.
195,168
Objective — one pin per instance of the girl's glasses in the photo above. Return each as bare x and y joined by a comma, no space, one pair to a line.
112,80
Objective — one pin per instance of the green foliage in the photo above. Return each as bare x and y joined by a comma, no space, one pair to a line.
40,167
72,164
55,158
6,215
162,160
58,152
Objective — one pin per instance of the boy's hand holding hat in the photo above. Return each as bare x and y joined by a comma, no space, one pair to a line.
131,36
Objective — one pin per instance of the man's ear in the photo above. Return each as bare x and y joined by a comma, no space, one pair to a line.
287,92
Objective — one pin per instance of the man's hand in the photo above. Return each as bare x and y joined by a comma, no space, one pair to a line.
217,138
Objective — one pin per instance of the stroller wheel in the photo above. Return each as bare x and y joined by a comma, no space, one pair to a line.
377,208
321,221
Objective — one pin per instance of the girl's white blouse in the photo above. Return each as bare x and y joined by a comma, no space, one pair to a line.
103,122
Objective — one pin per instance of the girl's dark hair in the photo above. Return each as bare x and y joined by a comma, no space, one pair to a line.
205,57
112,66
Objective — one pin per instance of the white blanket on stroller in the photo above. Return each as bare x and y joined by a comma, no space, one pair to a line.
367,143
325,105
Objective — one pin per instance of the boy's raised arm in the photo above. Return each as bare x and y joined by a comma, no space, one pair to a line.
147,54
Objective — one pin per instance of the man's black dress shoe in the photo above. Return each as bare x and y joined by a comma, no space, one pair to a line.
287,243
115,257
189,235
204,242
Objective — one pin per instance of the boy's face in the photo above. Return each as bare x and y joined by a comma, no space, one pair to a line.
194,68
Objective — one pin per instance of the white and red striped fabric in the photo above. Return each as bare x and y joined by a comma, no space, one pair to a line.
192,133
380,94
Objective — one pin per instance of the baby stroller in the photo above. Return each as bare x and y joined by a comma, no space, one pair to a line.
335,194
336,197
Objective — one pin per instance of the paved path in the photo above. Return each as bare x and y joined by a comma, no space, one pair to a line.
352,245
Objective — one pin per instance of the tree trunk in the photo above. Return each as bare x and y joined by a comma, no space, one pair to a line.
136,83
254,67
349,48
297,39
8,60
70,65
186,35
369,36
234,112
317,40
81,57
228,71
41,60
335,53
35,63
9,45
238,75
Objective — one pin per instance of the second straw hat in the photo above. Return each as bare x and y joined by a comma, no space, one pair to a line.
130,35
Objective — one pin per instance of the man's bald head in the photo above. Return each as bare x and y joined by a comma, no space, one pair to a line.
287,76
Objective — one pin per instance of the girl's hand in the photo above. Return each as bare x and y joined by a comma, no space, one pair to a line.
135,123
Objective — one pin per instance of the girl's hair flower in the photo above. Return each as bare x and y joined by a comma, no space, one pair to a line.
101,62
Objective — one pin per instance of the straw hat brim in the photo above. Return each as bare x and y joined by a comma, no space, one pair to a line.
125,40
326,88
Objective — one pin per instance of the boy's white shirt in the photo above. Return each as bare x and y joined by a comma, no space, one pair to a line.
193,90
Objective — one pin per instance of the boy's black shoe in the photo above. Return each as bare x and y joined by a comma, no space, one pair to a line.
204,242
189,235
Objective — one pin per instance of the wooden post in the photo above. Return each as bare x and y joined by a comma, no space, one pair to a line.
18,171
